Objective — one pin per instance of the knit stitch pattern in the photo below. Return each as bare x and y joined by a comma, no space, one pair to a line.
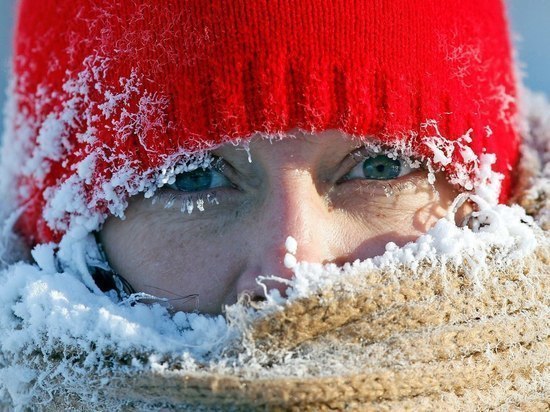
108,94
465,333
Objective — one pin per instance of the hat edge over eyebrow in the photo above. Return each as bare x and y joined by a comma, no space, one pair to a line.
106,96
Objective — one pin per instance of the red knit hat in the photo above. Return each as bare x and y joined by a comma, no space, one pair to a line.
109,95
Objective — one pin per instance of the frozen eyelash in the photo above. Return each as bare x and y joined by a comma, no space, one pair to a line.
371,150
186,202
391,189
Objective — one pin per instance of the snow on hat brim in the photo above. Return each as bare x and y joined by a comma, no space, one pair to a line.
110,97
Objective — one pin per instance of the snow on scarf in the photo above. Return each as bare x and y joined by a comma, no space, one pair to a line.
458,319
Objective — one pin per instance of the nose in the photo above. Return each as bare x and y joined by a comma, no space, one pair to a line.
293,207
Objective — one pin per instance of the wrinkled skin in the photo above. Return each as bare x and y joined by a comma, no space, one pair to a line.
292,187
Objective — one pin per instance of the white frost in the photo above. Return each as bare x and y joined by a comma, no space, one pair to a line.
52,305
290,261
291,245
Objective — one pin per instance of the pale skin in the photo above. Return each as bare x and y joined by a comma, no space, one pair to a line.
310,187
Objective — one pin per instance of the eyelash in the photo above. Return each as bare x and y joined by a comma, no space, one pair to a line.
187,201
358,157
398,185
371,188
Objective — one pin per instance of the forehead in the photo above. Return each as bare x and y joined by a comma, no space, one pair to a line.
295,144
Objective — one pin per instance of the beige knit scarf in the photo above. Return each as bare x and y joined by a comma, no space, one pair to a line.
414,344
428,335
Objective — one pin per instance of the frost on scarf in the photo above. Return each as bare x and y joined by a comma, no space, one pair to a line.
66,343
59,331
533,186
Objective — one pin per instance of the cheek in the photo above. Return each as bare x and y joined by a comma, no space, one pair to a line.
420,210
415,207
170,254
369,220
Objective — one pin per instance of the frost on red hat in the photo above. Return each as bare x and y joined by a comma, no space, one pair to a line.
109,96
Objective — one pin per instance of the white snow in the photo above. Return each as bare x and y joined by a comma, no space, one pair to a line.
51,309
495,228
289,261
72,204
53,305
291,245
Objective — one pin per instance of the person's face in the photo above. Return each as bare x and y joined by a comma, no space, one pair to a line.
339,204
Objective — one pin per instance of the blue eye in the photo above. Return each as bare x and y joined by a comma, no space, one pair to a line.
199,179
379,167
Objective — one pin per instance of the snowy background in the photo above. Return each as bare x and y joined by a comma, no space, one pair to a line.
530,22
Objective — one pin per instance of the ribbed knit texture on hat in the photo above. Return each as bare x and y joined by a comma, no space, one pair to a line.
108,93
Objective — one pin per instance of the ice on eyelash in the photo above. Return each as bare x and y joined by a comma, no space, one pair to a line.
373,150
189,203
187,206
200,204
192,202
388,191
168,175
